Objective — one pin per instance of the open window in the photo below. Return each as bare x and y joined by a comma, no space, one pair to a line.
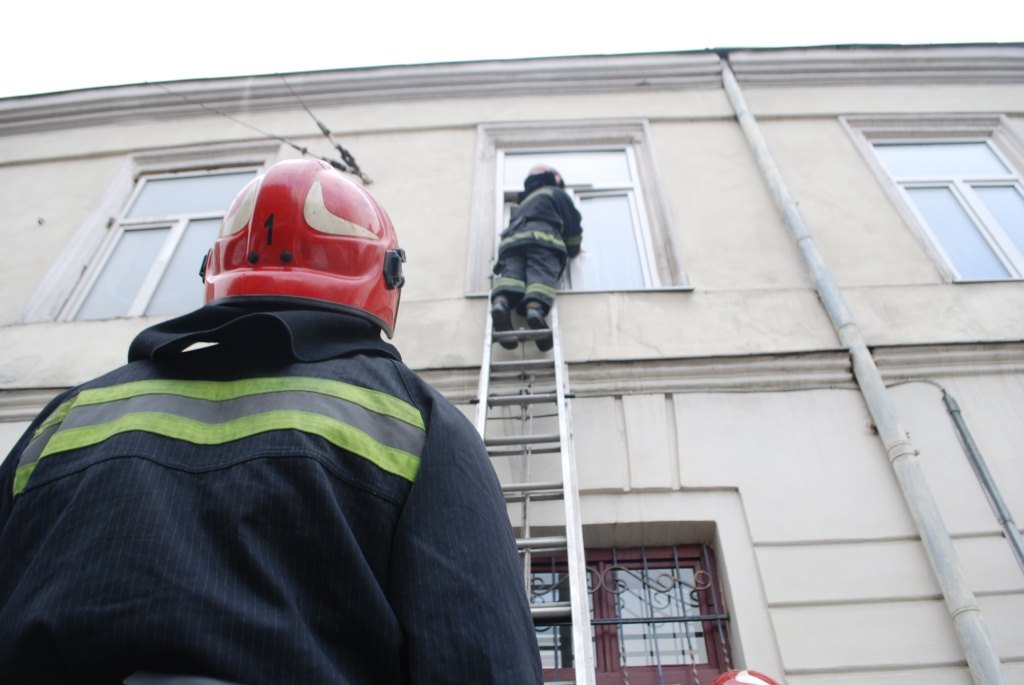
617,251
610,173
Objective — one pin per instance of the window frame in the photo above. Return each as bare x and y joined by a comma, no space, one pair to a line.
487,210
641,232
65,285
994,130
176,224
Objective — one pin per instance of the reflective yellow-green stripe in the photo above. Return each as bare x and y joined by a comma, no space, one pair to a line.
21,477
535,236
216,391
343,435
509,283
540,288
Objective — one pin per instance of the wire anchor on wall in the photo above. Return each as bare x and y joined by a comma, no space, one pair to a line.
348,162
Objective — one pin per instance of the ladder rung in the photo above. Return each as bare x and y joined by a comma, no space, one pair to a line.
507,400
522,365
507,440
523,453
521,334
544,497
515,493
532,487
544,542
551,610
535,492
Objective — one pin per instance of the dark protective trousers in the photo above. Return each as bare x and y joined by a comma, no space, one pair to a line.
529,273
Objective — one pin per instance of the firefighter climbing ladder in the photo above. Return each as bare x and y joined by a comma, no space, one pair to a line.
523,416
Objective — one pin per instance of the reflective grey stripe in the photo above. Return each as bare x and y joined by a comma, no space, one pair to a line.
383,429
35,448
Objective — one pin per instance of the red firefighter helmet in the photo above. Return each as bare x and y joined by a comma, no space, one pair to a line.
304,230
737,677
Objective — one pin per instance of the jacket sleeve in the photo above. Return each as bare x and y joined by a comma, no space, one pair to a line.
572,227
455,581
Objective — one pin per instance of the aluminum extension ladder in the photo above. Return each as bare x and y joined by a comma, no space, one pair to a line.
523,416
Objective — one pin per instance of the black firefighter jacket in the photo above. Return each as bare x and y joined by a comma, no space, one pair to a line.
290,505
544,216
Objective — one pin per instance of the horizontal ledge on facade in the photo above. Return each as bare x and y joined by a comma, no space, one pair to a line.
995,533
880,669
831,542
829,369
925,362
765,373
798,371
879,600
23,404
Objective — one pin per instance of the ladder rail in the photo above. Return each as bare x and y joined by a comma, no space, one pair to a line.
583,649
522,494
483,384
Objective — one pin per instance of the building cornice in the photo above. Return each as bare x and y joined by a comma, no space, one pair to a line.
816,66
754,373
180,99
880,65
762,373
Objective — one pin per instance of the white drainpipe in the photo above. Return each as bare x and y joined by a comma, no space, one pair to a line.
982,659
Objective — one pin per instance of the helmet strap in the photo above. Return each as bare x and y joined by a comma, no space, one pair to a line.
393,276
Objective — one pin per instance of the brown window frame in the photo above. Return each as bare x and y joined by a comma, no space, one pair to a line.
655,568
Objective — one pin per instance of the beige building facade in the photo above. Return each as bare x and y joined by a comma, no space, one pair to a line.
719,399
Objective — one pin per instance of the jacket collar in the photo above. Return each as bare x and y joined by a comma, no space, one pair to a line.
300,334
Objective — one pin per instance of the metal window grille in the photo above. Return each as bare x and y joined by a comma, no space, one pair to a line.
657,613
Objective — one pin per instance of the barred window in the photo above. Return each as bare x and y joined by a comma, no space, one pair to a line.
657,615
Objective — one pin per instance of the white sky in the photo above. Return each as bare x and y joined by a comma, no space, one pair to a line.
66,45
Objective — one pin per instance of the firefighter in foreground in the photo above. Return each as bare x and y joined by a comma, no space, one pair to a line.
285,503
544,230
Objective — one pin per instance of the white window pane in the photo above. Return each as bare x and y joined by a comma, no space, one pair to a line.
947,160
123,274
599,168
180,289
1007,206
188,194
610,258
959,237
